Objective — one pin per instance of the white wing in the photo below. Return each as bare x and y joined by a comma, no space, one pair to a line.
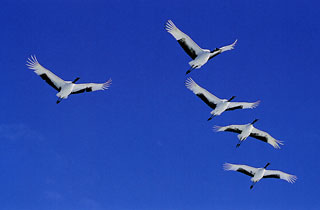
228,47
280,175
202,93
88,87
53,80
264,136
230,128
242,105
248,170
189,46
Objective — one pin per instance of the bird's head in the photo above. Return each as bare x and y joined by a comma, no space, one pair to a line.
231,98
253,122
74,81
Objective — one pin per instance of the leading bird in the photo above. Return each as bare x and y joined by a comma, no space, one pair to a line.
64,88
199,56
259,173
218,105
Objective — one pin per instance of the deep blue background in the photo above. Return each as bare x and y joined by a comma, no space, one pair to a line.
145,143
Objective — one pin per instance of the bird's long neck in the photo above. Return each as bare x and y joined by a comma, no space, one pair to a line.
231,98
74,81
266,165
254,121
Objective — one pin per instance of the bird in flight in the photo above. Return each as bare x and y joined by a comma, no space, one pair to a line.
248,130
199,56
218,105
64,88
259,173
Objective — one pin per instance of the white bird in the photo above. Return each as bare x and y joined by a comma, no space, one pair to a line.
64,88
259,173
199,56
218,105
248,130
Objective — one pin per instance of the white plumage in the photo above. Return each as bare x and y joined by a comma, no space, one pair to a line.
248,130
199,56
259,173
64,88
218,105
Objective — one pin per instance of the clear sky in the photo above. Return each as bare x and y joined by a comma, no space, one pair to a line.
145,144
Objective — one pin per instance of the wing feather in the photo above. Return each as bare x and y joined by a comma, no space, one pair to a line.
264,136
210,99
228,47
247,170
52,79
242,105
88,87
280,175
188,45
230,128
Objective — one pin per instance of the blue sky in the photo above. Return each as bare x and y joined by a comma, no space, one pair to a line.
145,143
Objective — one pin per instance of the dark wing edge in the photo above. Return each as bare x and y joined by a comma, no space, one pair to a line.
241,170
88,89
234,130
205,99
262,138
47,79
234,108
187,49
277,176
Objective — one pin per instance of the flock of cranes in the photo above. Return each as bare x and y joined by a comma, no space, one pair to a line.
199,58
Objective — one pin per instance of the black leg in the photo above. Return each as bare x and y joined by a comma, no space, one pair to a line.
189,70
252,185
239,143
212,116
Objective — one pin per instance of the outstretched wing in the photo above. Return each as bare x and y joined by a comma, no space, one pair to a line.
52,79
189,46
247,170
88,87
242,105
280,175
230,128
264,136
228,47
210,99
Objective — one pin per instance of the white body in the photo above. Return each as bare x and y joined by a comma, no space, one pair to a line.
66,90
200,60
245,132
221,107
258,174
